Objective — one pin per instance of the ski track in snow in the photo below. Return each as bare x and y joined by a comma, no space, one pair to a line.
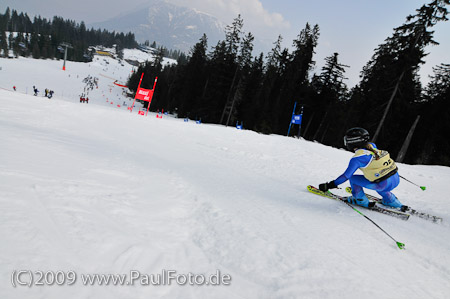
95,189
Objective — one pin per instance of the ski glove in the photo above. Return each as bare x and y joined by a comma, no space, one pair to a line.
326,186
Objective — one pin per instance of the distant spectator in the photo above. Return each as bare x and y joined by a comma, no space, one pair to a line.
14,87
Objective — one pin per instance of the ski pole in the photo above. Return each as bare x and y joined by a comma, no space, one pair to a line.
400,245
421,187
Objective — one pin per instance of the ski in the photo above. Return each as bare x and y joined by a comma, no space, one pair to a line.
409,210
390,212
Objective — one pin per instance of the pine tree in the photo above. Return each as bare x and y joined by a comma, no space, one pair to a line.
331,92
294,79
303,53
390,77
233,37
331,80
245,55
36,51
430,144
439,86
273,58
7,20
193,81
3,43
251,105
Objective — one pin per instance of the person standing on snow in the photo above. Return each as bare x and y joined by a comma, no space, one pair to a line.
379,171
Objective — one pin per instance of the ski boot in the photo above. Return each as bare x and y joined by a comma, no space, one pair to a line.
404,208
393,202
364,202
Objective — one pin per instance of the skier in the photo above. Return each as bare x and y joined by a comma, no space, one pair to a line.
379,171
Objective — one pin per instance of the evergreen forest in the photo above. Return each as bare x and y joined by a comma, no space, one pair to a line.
46,39
228,85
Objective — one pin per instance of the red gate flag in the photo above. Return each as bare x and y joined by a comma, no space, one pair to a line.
144,94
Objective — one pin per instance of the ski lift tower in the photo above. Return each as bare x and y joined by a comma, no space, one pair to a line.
66,46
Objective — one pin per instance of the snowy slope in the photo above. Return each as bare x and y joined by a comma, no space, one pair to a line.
24,73
94,189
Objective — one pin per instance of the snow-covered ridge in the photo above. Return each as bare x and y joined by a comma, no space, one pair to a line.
175,27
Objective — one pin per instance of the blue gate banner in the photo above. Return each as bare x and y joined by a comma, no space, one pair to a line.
296,119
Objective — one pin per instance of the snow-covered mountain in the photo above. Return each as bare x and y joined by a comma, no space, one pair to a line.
172,26
92,189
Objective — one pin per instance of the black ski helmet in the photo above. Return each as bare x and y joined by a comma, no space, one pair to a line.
356,138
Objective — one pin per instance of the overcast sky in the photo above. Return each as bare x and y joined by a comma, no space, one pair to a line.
353,28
